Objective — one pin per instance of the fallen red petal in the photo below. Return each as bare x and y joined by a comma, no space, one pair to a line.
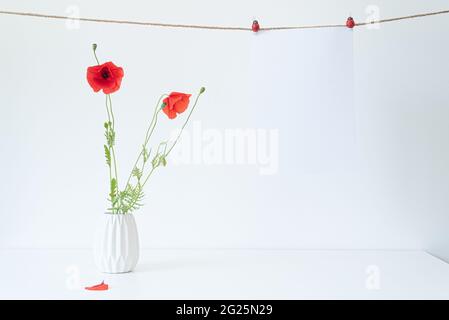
98,287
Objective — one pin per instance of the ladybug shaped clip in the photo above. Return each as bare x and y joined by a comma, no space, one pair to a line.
255,26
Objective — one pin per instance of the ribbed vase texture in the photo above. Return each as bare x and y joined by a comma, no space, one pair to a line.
116,247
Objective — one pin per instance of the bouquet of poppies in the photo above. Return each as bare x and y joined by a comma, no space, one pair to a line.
108,78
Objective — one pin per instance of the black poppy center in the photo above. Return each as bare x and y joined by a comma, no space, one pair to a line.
105,74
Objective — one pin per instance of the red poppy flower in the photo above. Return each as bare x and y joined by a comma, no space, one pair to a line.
106,77
176,103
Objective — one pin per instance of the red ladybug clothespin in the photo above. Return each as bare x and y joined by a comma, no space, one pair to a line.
255,27
350,23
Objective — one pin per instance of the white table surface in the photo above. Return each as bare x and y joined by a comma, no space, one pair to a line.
228,274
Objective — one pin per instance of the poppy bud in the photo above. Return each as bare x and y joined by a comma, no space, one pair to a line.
202,90
94,46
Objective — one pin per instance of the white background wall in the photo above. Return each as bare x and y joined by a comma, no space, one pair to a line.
400,123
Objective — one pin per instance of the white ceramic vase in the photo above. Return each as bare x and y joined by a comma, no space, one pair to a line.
116,247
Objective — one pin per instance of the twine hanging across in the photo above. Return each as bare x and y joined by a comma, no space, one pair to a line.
213,27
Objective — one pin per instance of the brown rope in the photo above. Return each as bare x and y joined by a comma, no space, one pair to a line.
210,27
414,16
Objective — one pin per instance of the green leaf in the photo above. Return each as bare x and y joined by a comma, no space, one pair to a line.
107,154
110,137
145,153
131,198
109,134
137,173
113,191
155,161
